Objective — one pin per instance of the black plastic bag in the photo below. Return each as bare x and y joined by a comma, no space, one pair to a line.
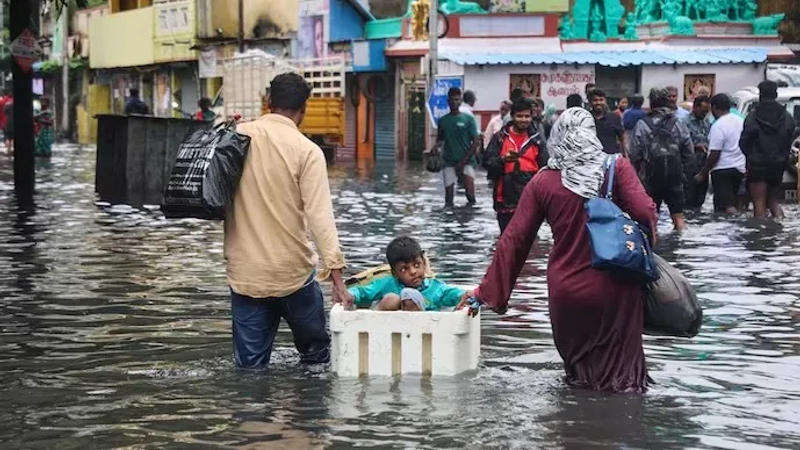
670,304
206,173
433,161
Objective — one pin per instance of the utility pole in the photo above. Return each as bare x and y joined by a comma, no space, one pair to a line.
65,70
24,15
240,37
433,49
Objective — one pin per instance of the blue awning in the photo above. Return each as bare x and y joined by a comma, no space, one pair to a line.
615,58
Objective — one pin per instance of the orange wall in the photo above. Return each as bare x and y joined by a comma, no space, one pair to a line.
365,129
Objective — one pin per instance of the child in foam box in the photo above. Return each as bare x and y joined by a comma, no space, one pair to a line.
410,286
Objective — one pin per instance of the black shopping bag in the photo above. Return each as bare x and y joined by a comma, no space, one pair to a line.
670,305
206,173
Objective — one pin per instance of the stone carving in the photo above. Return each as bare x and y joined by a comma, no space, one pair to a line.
749,9
597,34
767,24
565,30
598,20
682,25
630,27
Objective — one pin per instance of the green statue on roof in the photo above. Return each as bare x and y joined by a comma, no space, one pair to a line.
597,34
459,7
630,27
565,30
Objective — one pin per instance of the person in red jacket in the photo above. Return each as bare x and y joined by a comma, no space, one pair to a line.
512,158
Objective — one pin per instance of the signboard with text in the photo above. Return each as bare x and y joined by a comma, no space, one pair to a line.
437,102
528,6
25,50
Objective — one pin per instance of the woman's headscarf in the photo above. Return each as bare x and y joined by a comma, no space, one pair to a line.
575,151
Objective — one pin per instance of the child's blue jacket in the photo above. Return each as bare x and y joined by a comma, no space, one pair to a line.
437,293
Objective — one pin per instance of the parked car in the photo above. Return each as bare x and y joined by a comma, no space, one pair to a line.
746,98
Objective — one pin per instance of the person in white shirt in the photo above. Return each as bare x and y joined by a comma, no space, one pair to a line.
680,112
726,162
466,107
496,124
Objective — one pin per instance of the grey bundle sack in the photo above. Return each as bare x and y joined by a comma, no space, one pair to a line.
670,304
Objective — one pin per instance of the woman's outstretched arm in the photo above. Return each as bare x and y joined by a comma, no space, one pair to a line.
512,250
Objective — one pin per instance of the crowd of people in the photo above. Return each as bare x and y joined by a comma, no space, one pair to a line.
283,200
677,153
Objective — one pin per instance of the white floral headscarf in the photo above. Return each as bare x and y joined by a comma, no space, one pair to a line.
575,151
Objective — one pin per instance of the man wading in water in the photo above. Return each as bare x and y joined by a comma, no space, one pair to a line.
283,194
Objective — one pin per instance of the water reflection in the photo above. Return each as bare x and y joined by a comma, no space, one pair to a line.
115,332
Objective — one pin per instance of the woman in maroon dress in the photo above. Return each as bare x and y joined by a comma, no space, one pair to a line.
597,318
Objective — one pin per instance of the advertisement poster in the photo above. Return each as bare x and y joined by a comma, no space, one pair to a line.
522,6
531,84
437,102
162,96
696,82
312,35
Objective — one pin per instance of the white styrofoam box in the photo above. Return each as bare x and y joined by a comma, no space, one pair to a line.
367,342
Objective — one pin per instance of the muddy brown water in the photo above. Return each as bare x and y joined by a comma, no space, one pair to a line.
115,332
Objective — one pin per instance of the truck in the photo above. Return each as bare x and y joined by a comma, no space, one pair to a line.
245,90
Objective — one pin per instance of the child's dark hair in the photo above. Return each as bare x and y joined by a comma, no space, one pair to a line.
402,249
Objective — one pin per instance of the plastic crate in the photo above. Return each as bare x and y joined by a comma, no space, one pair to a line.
367,342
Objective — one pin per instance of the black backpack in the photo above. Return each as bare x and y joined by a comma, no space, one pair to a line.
662,157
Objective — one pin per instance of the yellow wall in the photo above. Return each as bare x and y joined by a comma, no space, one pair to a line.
122,39
97,101
174,31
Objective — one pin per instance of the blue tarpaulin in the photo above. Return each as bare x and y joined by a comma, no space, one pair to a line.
615,58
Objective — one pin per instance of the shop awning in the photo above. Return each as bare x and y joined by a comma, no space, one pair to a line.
614,58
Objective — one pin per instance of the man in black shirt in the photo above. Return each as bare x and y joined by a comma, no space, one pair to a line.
609,126
135,105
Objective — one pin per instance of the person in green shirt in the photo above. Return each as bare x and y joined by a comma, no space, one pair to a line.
457,139
409,287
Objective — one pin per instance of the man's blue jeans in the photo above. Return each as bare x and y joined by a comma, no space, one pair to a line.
256,320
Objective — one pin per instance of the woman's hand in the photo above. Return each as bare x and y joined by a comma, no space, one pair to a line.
473,305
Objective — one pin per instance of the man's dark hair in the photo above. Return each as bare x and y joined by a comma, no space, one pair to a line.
453,91
469,97
516,94
133,92
539,102
574,100
288,91
596,93
768,90
700,99
522,105
402,249
659,98
204,103
589,87
721,102
637,100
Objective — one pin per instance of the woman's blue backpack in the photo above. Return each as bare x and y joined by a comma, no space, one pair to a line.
618,242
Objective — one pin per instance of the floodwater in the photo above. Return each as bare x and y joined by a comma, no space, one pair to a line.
116,333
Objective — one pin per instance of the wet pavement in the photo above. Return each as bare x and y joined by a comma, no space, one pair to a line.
115,332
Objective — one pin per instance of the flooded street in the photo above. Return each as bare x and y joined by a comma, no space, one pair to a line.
116,332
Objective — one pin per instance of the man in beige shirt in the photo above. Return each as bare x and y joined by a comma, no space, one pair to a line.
283,196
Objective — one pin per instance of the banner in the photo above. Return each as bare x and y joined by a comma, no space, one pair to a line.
437,102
